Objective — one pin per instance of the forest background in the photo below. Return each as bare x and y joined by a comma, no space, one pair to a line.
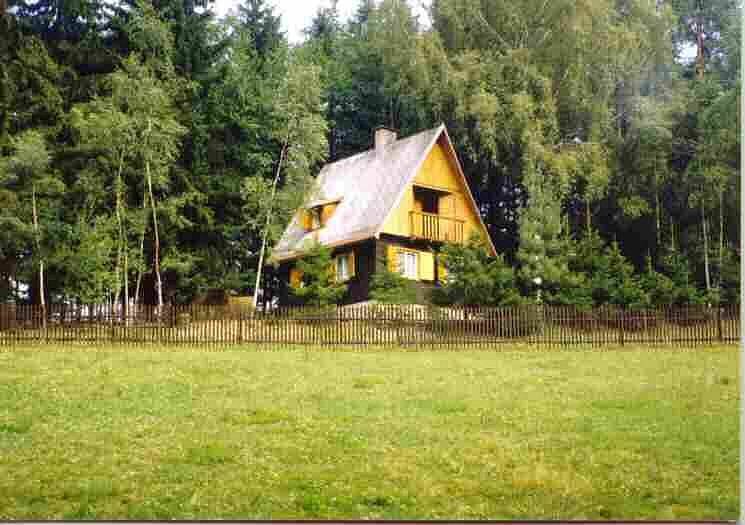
140,141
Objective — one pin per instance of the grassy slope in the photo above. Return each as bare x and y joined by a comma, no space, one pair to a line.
311,434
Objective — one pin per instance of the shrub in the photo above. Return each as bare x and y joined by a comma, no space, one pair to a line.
474,278
318,286
659,287
389,287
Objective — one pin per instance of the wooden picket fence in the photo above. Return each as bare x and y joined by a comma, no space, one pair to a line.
367,325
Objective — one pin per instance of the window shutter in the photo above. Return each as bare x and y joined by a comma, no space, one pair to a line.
426,266
352,264
392,256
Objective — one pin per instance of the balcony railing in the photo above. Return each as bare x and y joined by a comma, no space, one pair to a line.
435,227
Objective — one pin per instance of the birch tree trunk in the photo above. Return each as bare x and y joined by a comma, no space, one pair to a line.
121,245
721,237
657,211
42,299
700,58
268,222
706,247
158,282
672,234
142,248
658,217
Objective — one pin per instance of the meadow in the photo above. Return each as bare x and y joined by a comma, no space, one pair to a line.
170,433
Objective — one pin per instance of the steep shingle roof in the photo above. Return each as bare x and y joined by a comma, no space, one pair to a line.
367,186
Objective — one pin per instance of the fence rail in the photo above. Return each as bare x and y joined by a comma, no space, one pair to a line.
387,325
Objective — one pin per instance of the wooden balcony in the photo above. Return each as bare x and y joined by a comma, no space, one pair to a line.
435,227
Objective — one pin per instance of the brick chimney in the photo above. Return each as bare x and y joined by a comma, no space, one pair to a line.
383,137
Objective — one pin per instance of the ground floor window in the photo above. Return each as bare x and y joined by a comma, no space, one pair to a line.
344,267
408,264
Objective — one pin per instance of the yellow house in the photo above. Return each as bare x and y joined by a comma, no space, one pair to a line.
398,202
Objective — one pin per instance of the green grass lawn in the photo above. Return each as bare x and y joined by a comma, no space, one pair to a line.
192,434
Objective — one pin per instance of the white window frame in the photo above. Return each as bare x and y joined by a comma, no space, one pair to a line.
343,272
408,264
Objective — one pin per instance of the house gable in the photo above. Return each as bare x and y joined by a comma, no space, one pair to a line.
377,191
440,174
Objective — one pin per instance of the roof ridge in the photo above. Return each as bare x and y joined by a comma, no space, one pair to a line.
372,150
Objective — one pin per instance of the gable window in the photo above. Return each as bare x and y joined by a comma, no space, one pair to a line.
318,214
427,200
344,267
315,218
408,264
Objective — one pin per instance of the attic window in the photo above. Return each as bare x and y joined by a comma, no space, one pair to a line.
315,217
317,214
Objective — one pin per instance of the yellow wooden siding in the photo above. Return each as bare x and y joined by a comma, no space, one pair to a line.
306,220
352,265
326,213
392,258
437,172
426,266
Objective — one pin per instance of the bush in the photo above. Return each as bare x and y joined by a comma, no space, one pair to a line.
609,276
388,287
474,278
318,286
675,266
659,287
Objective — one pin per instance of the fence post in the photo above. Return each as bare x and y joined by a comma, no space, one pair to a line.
111,324
240,326
720,335
622,325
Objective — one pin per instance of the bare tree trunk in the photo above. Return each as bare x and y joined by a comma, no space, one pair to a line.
700,60
706,247
721,237
142,248
672,234
588,212
158,282
126,287
268,222
117,206
658,214
42,299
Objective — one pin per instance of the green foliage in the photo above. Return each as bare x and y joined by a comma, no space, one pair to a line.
676,267
515,83
475,278
318,286
389,287
87,260
659,287
730,283
608,276
34,190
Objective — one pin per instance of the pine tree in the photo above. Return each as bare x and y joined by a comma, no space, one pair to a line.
318,286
